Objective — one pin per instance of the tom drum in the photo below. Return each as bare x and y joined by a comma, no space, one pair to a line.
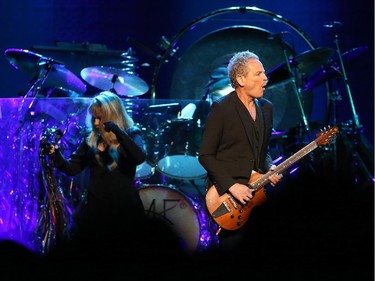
177,149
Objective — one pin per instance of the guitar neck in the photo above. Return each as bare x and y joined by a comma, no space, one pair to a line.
286,164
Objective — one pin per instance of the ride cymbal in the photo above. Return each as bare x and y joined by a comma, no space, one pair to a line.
305,62
111,78
333,68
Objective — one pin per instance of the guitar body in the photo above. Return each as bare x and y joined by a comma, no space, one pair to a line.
227,211
230,214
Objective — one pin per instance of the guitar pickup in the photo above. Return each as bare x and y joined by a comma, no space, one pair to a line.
221,210
230,198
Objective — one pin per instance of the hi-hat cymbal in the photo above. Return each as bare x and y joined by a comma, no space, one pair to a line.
333,69
33,64
111,78
305,62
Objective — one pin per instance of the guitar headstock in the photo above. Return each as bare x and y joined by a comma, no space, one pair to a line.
326,136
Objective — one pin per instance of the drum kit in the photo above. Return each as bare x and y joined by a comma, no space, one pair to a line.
177,145
173,143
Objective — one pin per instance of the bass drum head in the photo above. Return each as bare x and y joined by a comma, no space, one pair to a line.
178,211
204,64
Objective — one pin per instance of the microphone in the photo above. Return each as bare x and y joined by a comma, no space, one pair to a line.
332,24
55,136
277,35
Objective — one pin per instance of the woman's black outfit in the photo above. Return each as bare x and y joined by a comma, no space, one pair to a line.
114,208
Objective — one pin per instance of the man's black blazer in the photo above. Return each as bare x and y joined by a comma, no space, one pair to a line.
227,150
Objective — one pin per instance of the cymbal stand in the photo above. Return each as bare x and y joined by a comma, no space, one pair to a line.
45,65
295,88
38,81
113,81
333,97
207,96
357,125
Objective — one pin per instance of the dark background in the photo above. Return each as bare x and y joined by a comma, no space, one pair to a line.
320,226
41,26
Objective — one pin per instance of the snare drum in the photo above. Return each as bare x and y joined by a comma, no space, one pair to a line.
177,149
180,212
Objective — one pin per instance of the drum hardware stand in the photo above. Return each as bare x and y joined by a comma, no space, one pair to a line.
45,65
37,82
207,96
294,83
355,128
334,96
166,45
199,191
333,26
303,129
113,81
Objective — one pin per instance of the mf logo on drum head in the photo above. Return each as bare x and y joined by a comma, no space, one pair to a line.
177,211
154,211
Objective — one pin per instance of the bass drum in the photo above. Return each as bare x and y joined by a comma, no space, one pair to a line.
179,211
177,149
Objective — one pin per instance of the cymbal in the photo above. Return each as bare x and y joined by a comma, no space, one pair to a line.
57,92
308,61
333,68
33,63
354,53
24,60
111,78
219,73
219,88
64,78
305,62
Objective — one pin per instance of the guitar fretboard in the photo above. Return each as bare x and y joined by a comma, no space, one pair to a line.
286,164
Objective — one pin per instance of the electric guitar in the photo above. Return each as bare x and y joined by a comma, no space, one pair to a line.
230,214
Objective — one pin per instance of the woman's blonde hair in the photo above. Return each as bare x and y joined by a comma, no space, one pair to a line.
109,107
